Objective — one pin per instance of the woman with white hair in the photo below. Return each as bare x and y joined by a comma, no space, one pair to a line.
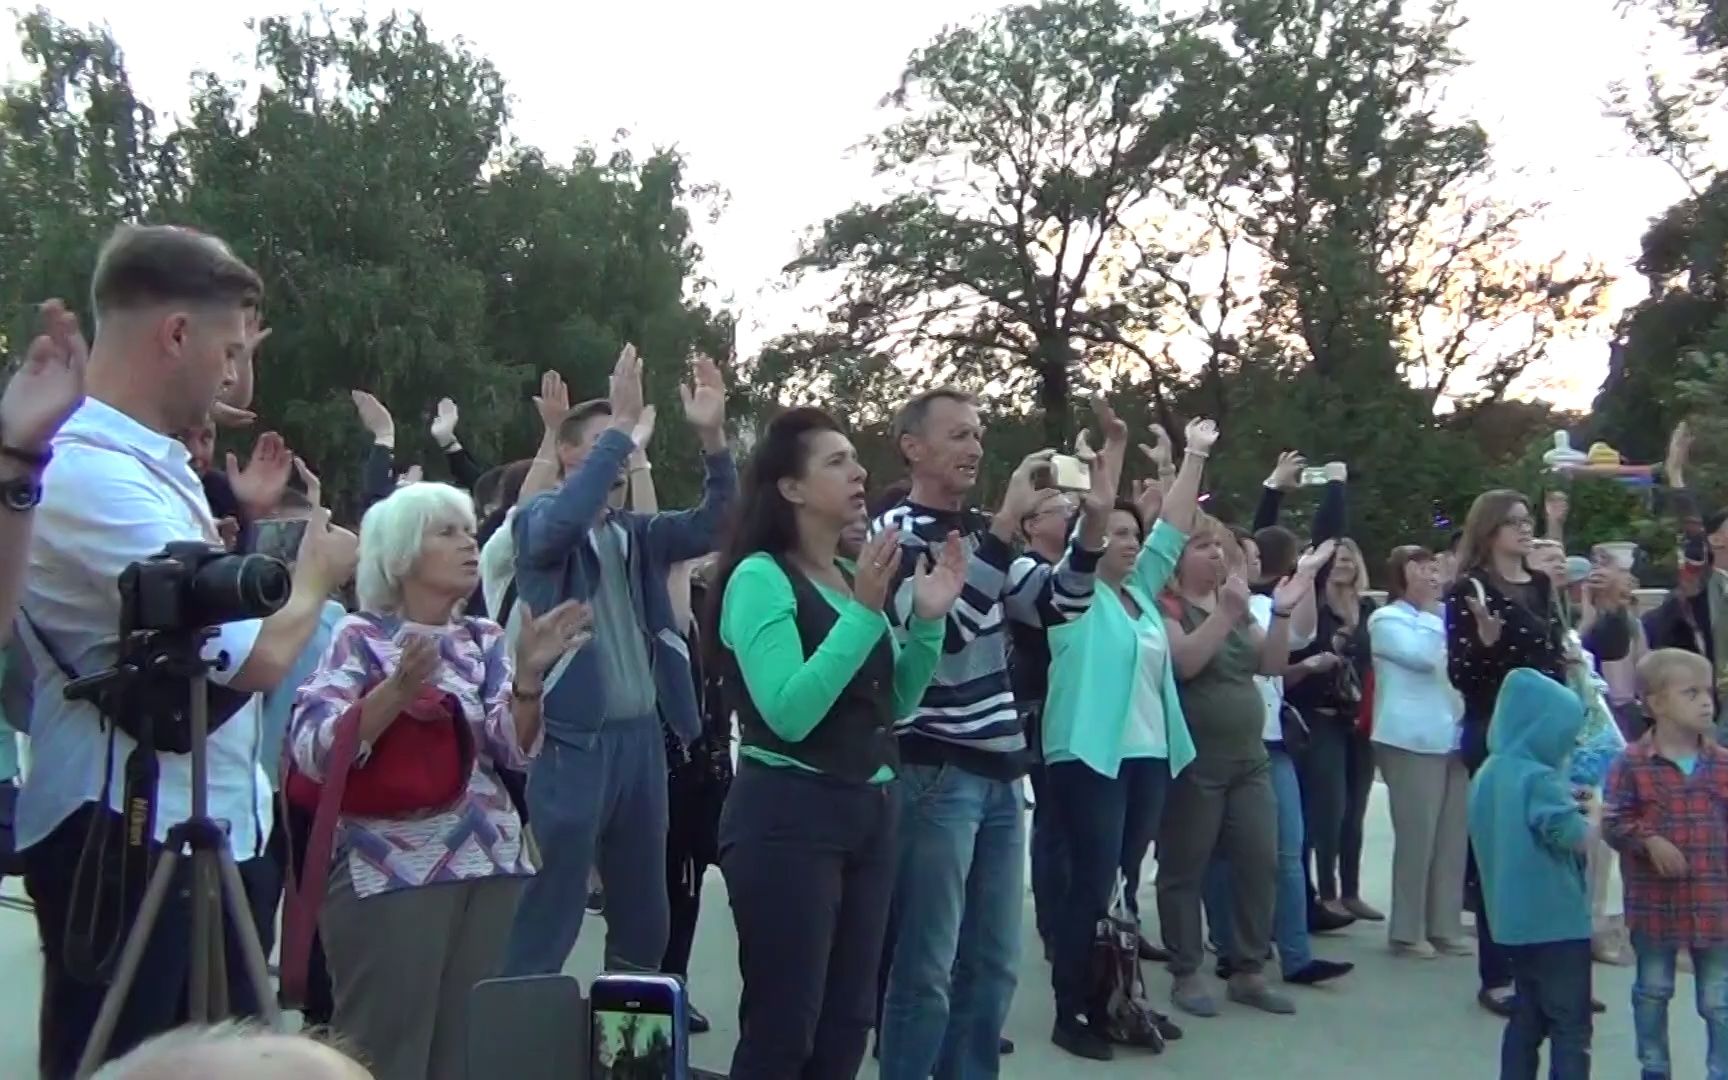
405,724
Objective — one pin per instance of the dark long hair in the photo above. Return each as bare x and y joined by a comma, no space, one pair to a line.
764,520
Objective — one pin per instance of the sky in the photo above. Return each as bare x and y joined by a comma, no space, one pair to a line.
770,98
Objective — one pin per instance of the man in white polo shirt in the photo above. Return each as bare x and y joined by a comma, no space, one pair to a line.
170,307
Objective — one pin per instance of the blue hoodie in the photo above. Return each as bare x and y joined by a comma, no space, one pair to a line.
1527,829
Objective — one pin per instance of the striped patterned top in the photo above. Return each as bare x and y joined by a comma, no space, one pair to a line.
969,715
481,836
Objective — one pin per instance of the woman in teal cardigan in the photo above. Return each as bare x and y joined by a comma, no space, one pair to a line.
1114,733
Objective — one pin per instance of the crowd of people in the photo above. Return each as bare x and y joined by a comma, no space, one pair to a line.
499,689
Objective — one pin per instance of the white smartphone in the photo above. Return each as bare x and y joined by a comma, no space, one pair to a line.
1071,473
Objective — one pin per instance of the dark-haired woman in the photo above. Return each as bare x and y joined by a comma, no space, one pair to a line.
1113,736
808,837
1499,616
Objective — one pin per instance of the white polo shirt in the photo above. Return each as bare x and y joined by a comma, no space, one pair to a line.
116,493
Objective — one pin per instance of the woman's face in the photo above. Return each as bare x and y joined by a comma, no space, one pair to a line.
832,484
1516,532
1423,582
1202,565
1549,560
1345,568
449,560
1121,546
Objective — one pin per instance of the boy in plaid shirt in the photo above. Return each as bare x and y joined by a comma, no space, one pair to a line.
1664,814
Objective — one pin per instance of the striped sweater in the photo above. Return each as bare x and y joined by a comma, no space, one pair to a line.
968,717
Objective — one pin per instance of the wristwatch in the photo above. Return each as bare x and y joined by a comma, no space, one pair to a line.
21,494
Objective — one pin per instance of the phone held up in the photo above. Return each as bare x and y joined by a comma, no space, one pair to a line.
1065,472
640,1027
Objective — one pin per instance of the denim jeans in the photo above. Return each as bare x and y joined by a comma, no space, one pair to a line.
1552,986
1107,823
598,799
1652,989
1290,910
957,905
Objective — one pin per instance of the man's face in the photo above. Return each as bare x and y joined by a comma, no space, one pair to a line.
572,455
948,446
1719,545
201,443
201,347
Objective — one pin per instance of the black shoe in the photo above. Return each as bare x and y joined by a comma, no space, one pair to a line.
1224,970
1151,953
1316,972
1004,1046
699,1024
1079,1039
1166,1027
1502,1007
1324,921
1597,1007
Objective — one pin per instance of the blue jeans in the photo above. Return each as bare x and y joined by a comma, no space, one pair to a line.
597,800
1654,986
1290,912
1106,824
957,905
1551,984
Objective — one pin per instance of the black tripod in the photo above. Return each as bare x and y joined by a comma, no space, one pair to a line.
215,876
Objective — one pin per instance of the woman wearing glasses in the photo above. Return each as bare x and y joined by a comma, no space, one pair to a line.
1499,616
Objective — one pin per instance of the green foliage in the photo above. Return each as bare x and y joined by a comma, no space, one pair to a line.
408,246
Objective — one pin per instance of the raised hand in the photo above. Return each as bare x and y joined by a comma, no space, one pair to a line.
936,587
553,401
1315,558
1287,474
329,553
1233,597
1149,499
309,480
1023,486
878,562
259,486
1291,591
1488,625
1200,436
415,668
542,640
705,398
1113,427
49,386
375,417
444,423
643,433
413,474
626,389
1159,453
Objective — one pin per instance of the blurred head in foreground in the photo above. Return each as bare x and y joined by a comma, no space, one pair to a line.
233,1051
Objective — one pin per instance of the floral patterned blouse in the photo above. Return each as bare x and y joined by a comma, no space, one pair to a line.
480,836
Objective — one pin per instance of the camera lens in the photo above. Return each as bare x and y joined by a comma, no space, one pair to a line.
232,588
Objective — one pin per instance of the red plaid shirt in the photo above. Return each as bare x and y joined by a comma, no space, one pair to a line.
1648,795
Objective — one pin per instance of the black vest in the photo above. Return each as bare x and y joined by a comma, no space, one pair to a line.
856,738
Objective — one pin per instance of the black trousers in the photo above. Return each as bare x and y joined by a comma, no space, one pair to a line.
691,825
157,1002
1493,963
290,837
1337,775
809,863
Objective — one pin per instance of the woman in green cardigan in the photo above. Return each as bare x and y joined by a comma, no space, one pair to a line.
1114,733
808,834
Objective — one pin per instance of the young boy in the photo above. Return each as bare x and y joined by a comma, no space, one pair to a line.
1530,833
1665,816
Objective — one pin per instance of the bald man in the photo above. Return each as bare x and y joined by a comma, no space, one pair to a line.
232,1051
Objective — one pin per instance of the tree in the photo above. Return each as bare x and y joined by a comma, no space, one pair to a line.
1031,152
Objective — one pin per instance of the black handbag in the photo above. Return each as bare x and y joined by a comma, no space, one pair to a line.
1295,728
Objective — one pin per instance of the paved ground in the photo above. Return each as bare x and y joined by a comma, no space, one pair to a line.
1391,1018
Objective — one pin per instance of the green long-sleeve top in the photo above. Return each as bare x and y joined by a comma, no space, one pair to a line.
758,623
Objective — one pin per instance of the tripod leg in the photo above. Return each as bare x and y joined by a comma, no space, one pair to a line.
251,948
221,1008
205,927
161,880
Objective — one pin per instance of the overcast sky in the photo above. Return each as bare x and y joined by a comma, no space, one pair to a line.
767,97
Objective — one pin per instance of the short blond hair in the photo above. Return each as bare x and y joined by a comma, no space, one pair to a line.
1660,669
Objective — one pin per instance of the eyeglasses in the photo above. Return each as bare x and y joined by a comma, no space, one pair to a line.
1520,523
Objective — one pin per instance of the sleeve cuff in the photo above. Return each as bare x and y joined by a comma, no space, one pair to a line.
236,640
926,631
1082,559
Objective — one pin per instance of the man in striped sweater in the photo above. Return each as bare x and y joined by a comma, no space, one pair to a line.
963,752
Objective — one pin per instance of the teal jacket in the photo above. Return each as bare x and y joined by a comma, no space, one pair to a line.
1092,666
1525,826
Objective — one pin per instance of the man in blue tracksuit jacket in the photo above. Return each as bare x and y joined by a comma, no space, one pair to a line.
597,792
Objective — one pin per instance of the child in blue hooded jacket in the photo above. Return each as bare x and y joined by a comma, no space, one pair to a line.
1530,831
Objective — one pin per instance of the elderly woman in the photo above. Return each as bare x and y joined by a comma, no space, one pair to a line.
419,901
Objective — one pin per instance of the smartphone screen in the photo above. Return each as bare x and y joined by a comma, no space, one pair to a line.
279,538
1072,474
1314,476
639,1028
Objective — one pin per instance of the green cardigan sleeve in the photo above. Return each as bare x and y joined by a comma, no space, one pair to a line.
916,664
758,623
1156,563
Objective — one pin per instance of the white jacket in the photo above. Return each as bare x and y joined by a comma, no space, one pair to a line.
1415,707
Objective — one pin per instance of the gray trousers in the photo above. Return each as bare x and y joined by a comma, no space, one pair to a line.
1224,807
1429,795
402,964
597,800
